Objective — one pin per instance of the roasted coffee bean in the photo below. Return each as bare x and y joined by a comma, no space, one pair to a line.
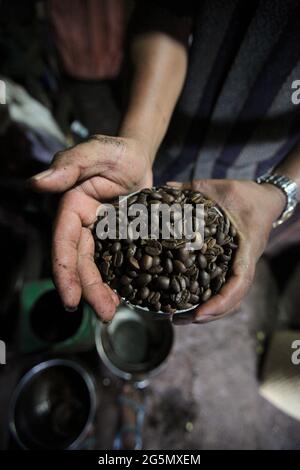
220,238
143,279
138,254
173,244
202,261
194,299
104,268
153,202
132,199
178,266
203,248
190,261
142,199
196,198
175,285
187,281
146,262
106,256
169,309
116,247
168,266
194,286
206,295
204,278
167,198
225,257
118,259
182,282
133,262
125,280
155,270
216,272
110,275
182,296
206,232
216,284
143,293
156,195
165,275
232,231
132,295
192,272
226,227
232,245
98,246
163,282
211,267
115,283
156,261
132,273
183,254
153,248
126,290
211,242
153,297
211,257
156,307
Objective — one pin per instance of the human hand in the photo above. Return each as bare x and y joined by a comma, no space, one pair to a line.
97,170
252,208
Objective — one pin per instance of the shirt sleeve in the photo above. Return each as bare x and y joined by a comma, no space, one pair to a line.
166,16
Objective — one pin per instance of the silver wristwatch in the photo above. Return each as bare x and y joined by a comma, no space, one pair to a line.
290,189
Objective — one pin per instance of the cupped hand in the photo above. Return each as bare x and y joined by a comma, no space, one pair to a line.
252,208
97,170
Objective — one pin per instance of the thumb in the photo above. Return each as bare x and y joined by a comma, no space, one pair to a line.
62,174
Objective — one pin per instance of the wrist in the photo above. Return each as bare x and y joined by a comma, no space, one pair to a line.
276,200
142,139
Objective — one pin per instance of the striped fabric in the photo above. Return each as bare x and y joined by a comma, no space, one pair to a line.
235,117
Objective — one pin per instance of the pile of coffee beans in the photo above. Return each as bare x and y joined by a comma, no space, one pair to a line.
165,275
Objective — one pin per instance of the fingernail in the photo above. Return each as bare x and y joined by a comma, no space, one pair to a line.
70,309
174,184
43,174
204,319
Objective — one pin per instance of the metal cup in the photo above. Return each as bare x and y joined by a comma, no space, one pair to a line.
53,406
134,346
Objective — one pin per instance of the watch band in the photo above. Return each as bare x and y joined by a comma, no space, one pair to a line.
289,188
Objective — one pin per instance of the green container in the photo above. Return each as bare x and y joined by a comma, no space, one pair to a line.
45,325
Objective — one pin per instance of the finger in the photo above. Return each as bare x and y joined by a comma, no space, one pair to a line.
76,209
178,185
235,288
64,257
62,175
209,318
101,298
72,166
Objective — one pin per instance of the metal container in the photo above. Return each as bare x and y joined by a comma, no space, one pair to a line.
53,406
160,314
134,346
45,324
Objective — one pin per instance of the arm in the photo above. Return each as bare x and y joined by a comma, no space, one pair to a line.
105,167
160,65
